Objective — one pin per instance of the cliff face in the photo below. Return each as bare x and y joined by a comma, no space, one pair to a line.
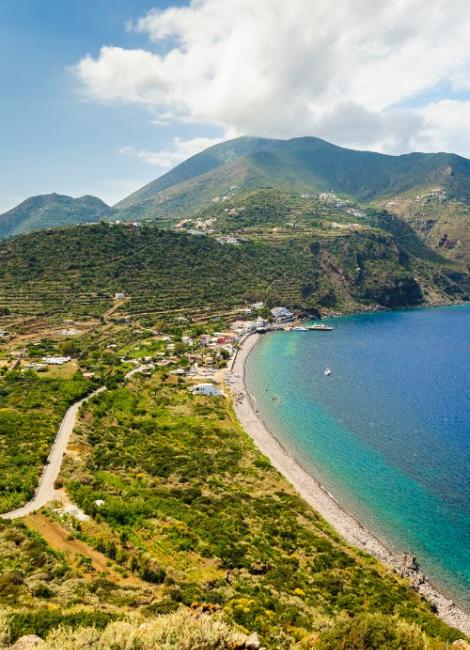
368,269
395,293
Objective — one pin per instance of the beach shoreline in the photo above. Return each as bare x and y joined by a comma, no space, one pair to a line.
322,501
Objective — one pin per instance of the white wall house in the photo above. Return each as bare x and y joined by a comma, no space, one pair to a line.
207,389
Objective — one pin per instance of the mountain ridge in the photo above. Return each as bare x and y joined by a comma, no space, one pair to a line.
304,165
299,164
51,210
211,158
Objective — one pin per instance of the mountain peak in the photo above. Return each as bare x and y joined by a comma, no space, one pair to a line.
50,210
303,164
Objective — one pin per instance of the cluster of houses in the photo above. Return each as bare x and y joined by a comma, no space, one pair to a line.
330,198
46,361
204,352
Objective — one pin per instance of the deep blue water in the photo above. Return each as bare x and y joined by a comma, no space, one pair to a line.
388,433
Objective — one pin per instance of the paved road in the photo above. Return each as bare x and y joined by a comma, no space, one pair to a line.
46,491
135,371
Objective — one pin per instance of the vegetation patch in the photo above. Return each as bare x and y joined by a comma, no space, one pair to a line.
31,409
192,506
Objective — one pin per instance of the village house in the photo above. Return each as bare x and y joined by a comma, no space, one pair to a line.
56,361
206,389
282,314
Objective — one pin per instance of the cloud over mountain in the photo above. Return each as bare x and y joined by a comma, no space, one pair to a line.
390,76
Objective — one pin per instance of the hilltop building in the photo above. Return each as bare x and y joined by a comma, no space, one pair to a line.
282,314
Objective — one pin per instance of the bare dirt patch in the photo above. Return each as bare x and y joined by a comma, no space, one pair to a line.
59,539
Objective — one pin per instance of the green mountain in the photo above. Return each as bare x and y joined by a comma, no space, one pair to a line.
301,164
52,210
77,270
428,193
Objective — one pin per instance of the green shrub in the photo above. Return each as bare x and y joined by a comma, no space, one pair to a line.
372,632
41,621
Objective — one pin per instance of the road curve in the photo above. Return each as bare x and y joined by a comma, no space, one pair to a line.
45,491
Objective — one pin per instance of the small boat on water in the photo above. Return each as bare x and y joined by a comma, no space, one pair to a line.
318,327
327,372
299,328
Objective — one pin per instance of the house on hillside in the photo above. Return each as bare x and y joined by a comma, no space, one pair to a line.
282,314
56,361
207,389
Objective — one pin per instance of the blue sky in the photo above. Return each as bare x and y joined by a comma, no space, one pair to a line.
52,138
102,96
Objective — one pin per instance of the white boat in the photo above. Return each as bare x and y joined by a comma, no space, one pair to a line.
319,327
299,328
327,372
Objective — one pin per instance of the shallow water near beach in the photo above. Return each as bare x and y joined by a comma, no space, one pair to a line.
388,433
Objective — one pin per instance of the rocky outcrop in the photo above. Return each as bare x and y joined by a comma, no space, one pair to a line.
460,644
446,242
403,292
28,642
408,567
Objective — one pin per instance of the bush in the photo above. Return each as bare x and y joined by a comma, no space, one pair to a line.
372,632
181,630
41,621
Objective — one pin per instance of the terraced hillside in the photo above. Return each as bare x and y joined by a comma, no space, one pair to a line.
78,270
441,221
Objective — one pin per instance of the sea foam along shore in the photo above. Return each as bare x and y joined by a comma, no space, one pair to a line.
322,501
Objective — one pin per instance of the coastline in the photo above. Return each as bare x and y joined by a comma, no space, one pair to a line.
323,502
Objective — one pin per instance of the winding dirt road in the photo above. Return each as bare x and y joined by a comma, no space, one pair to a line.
46,491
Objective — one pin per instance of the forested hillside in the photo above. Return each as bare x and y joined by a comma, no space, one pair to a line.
78,270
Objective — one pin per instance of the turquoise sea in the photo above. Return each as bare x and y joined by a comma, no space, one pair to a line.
388,433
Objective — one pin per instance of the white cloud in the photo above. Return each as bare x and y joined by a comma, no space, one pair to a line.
182,149
446,122
282,69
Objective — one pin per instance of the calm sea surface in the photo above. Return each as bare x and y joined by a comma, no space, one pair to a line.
388,433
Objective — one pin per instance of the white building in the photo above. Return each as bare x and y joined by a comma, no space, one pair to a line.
207,389
56,361
282,314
